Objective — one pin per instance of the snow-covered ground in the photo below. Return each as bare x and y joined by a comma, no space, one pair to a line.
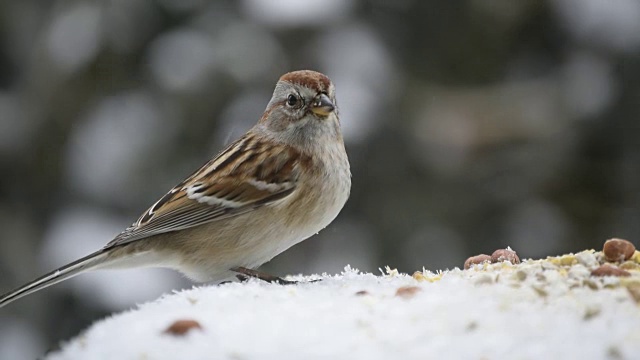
540,309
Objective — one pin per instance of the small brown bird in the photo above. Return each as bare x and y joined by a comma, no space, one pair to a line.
283,181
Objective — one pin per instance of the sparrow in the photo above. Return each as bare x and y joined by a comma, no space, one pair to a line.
285,180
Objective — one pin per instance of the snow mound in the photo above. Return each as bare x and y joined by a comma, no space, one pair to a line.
552,308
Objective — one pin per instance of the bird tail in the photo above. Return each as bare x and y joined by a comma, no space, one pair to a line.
70,270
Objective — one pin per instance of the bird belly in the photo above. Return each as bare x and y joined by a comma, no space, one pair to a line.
252,239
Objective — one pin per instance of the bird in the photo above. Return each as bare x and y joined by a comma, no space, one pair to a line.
283,181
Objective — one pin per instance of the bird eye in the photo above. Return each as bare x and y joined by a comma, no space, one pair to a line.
292,100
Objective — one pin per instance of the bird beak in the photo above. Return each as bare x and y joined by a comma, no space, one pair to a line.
322,105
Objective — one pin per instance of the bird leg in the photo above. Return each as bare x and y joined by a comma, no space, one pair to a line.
244,274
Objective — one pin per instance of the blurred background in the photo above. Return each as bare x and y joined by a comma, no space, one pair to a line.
470,125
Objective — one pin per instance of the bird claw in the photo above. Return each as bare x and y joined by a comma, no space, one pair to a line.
244,274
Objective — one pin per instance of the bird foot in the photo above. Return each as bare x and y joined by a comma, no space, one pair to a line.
244,274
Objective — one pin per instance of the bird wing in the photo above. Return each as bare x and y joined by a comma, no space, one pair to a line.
245,176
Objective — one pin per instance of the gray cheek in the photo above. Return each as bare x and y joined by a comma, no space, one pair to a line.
278,122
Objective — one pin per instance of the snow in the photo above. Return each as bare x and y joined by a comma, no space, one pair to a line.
537,309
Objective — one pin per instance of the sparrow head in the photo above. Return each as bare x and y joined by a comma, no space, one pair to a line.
302,107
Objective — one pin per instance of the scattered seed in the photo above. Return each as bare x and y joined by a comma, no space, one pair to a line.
181,327
614,353
590,284
478,259
362,293
630,265
483,279
591,312
540,290
618,249
407,291
564,260
471,326
521,275
418,275
608,270
501,255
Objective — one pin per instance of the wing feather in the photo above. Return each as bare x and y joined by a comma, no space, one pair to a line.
245,176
